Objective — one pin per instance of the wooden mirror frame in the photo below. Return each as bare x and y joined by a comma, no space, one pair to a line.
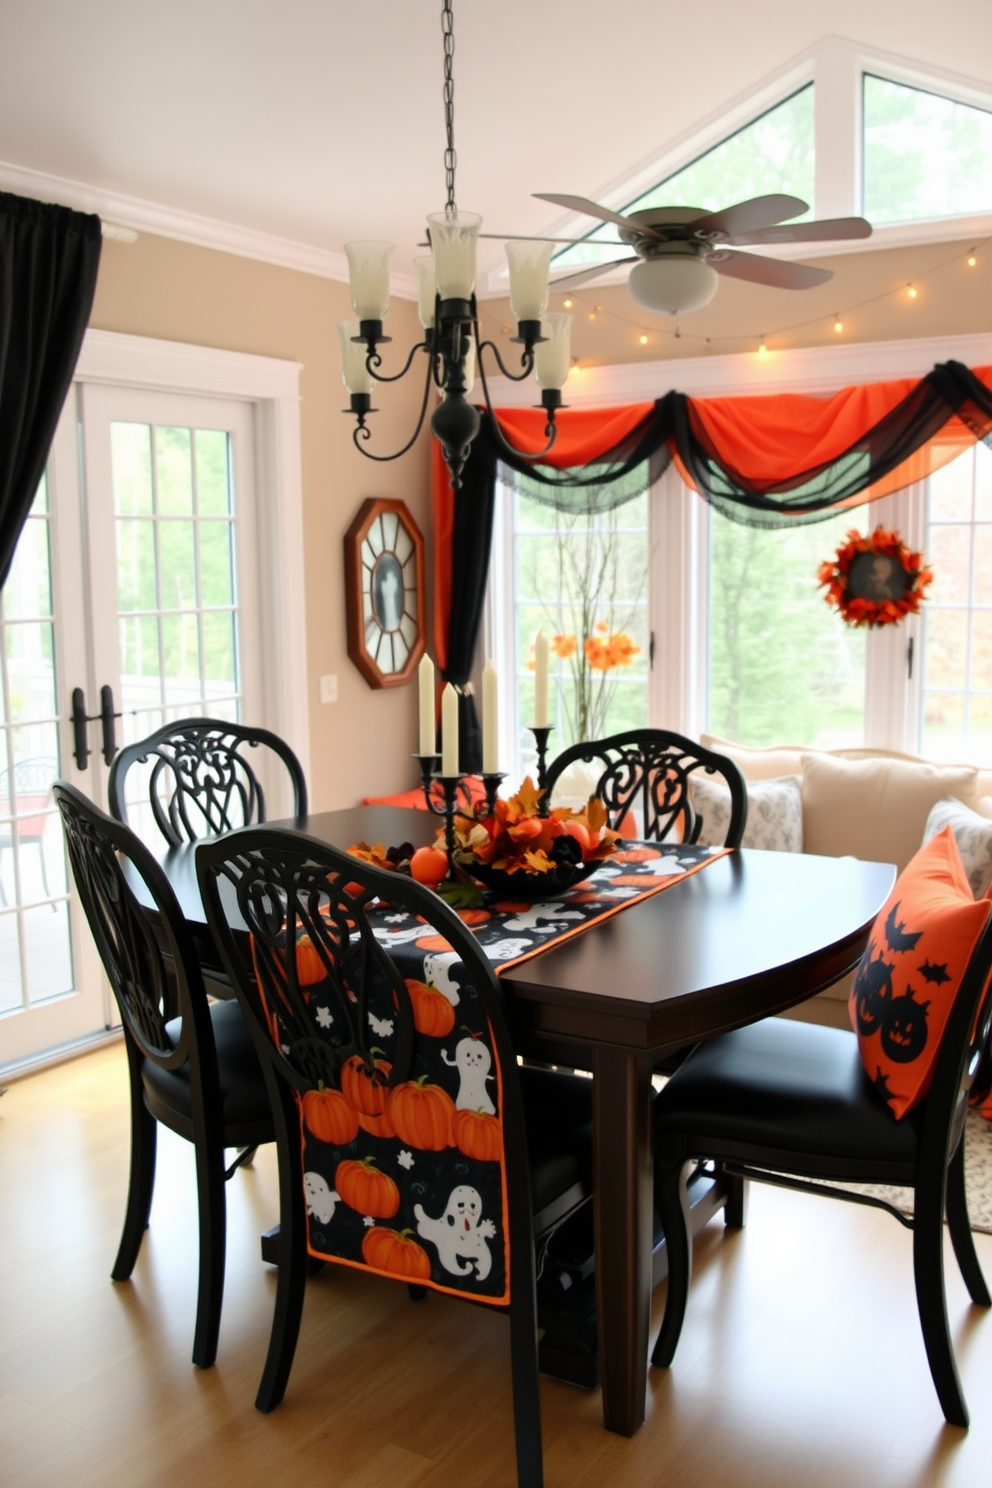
357,582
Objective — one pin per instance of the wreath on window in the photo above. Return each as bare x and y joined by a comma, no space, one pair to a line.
874,580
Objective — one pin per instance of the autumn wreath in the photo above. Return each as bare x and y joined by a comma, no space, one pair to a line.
874,580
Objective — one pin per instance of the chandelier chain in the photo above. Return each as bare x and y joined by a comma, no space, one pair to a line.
450,158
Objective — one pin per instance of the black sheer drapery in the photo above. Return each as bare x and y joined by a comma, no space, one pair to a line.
49,257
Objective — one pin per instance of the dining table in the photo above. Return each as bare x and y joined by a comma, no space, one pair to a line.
752,934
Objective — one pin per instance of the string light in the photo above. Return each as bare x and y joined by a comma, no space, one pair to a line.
972,260
644,340
568,304
838,324
762,349
911,291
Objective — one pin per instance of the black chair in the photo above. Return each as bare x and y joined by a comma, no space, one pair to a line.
650,771
345,1109
192,1063
201,782
788,1103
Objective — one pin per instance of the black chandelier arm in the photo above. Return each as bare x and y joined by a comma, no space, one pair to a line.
550,428
364,433
526,361
374,360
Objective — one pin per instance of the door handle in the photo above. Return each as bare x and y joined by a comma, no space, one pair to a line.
80,718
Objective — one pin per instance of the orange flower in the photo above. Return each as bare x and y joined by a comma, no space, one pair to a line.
563,646
605,652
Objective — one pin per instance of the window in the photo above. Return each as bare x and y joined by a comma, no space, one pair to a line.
956,704
772,153
583,580
782,669
924,156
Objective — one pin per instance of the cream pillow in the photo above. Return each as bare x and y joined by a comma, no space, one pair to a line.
973,835
874,808
758,764
774,813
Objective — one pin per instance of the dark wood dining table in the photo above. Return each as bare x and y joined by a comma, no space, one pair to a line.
751,934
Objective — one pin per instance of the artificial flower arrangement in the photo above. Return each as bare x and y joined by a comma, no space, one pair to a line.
515,845
517,839
875,580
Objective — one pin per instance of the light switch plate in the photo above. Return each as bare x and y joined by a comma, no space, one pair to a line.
329,688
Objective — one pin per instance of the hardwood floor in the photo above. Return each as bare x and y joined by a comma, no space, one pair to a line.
801,1362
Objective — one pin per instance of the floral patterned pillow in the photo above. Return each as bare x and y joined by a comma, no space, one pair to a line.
774,812
973,835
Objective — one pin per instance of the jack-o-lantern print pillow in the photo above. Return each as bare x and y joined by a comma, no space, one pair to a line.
910,973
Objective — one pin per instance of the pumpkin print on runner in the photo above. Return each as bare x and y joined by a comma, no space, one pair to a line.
911,970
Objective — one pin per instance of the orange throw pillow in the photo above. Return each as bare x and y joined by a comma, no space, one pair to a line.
912,968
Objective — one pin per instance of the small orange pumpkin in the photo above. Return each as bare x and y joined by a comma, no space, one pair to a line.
478,1135
397,1252
422,1114
365,1088
433,1014
473,916
329,1116
363,1188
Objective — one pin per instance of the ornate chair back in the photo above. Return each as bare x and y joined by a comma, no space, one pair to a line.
200,780
649,771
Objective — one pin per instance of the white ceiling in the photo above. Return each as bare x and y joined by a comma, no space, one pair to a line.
318,121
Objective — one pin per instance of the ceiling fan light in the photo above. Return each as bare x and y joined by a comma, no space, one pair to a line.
368,270
529,263
354,371
453,243
673,285
552,357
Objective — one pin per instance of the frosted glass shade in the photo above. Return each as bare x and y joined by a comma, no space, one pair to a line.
368,270
453,244
356,375
553,357
671,285
426,289
529,263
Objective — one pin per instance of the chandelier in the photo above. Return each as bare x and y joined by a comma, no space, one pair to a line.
446,303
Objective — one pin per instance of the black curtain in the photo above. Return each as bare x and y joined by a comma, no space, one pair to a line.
49,257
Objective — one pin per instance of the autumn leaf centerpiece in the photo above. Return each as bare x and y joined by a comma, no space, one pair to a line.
518,849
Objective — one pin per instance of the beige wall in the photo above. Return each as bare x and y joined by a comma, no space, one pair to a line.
362,744
868,289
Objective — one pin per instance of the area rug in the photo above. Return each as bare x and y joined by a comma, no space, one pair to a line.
977,1177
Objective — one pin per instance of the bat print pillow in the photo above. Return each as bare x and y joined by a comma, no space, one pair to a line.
912,968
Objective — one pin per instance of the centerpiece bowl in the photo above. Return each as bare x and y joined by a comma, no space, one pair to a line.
526,885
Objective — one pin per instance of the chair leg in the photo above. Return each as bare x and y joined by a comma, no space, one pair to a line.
735,1209
292,1277
213,1244
526,1392
928,1271
141,1186
960,1228
671,1199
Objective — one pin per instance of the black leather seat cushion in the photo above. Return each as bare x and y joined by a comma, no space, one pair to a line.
242,1087
558,1115
782,1084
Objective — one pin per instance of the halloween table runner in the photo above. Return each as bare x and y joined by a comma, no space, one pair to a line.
408,1178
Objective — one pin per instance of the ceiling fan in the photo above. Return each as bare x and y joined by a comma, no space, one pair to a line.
679,251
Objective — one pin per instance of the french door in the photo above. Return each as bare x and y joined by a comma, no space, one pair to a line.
134,596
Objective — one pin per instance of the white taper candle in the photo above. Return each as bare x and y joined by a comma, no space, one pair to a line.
449,731
490,721
428,732
541,666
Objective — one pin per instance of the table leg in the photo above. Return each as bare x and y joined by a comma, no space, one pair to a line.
623,1179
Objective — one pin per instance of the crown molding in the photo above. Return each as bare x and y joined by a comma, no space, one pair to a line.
813,369
187,227
142,361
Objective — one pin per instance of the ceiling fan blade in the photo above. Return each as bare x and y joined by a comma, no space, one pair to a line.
572,281
523,238
746,216
830,228
777,272
593,209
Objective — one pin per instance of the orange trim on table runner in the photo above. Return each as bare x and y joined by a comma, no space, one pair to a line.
608,914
